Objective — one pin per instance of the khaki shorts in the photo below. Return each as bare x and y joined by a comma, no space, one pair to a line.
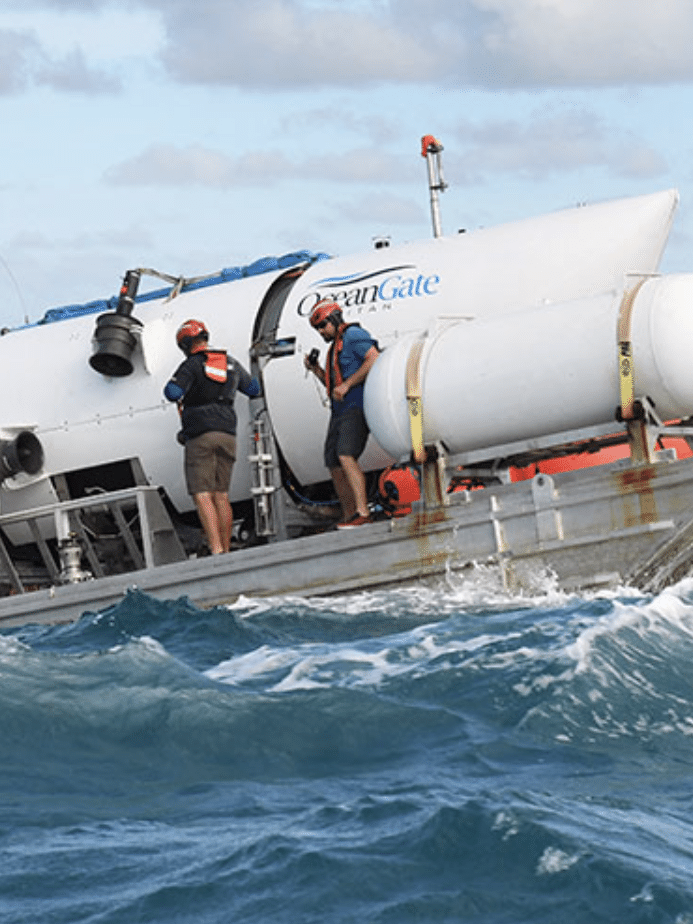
209,462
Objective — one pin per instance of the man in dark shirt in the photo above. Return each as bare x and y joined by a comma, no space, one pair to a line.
204,386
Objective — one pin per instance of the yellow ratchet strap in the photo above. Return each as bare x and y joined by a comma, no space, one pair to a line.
415,402
625,352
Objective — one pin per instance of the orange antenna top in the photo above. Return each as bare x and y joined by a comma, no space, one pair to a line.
430,144
431,149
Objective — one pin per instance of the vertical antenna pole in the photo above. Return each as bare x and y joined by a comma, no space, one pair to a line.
431,149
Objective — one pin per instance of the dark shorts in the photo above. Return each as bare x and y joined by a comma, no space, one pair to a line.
209,462
347,435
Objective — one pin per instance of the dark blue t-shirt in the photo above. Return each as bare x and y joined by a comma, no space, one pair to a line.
357,342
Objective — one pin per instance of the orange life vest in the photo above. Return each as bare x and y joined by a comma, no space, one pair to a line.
216,365
333,371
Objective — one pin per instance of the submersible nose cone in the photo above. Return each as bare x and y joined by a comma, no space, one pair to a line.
114,342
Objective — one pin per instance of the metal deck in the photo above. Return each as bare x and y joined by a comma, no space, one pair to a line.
594,527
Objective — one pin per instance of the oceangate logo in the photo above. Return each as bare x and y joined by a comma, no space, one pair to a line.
370,291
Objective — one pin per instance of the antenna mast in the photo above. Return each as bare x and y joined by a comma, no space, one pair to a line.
431,149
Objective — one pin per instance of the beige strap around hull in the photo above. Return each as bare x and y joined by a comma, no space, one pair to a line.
415,400
625,352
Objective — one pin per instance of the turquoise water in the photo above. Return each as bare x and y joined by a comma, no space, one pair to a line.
407,756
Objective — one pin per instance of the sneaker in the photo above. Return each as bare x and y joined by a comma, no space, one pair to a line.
357,520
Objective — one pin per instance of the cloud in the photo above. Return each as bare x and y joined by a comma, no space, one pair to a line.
73,74
584,42
553,141
24,62
550,143
482,43
17,52
289,44
196,165
505,44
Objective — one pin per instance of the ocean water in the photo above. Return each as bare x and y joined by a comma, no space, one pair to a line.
415,755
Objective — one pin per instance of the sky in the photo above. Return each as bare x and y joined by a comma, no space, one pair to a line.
191,136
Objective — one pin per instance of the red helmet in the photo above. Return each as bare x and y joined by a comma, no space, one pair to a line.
326,310
189,331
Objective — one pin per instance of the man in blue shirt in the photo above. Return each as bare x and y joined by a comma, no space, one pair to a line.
350,356
204,386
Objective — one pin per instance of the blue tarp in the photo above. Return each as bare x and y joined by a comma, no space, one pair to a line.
231,273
